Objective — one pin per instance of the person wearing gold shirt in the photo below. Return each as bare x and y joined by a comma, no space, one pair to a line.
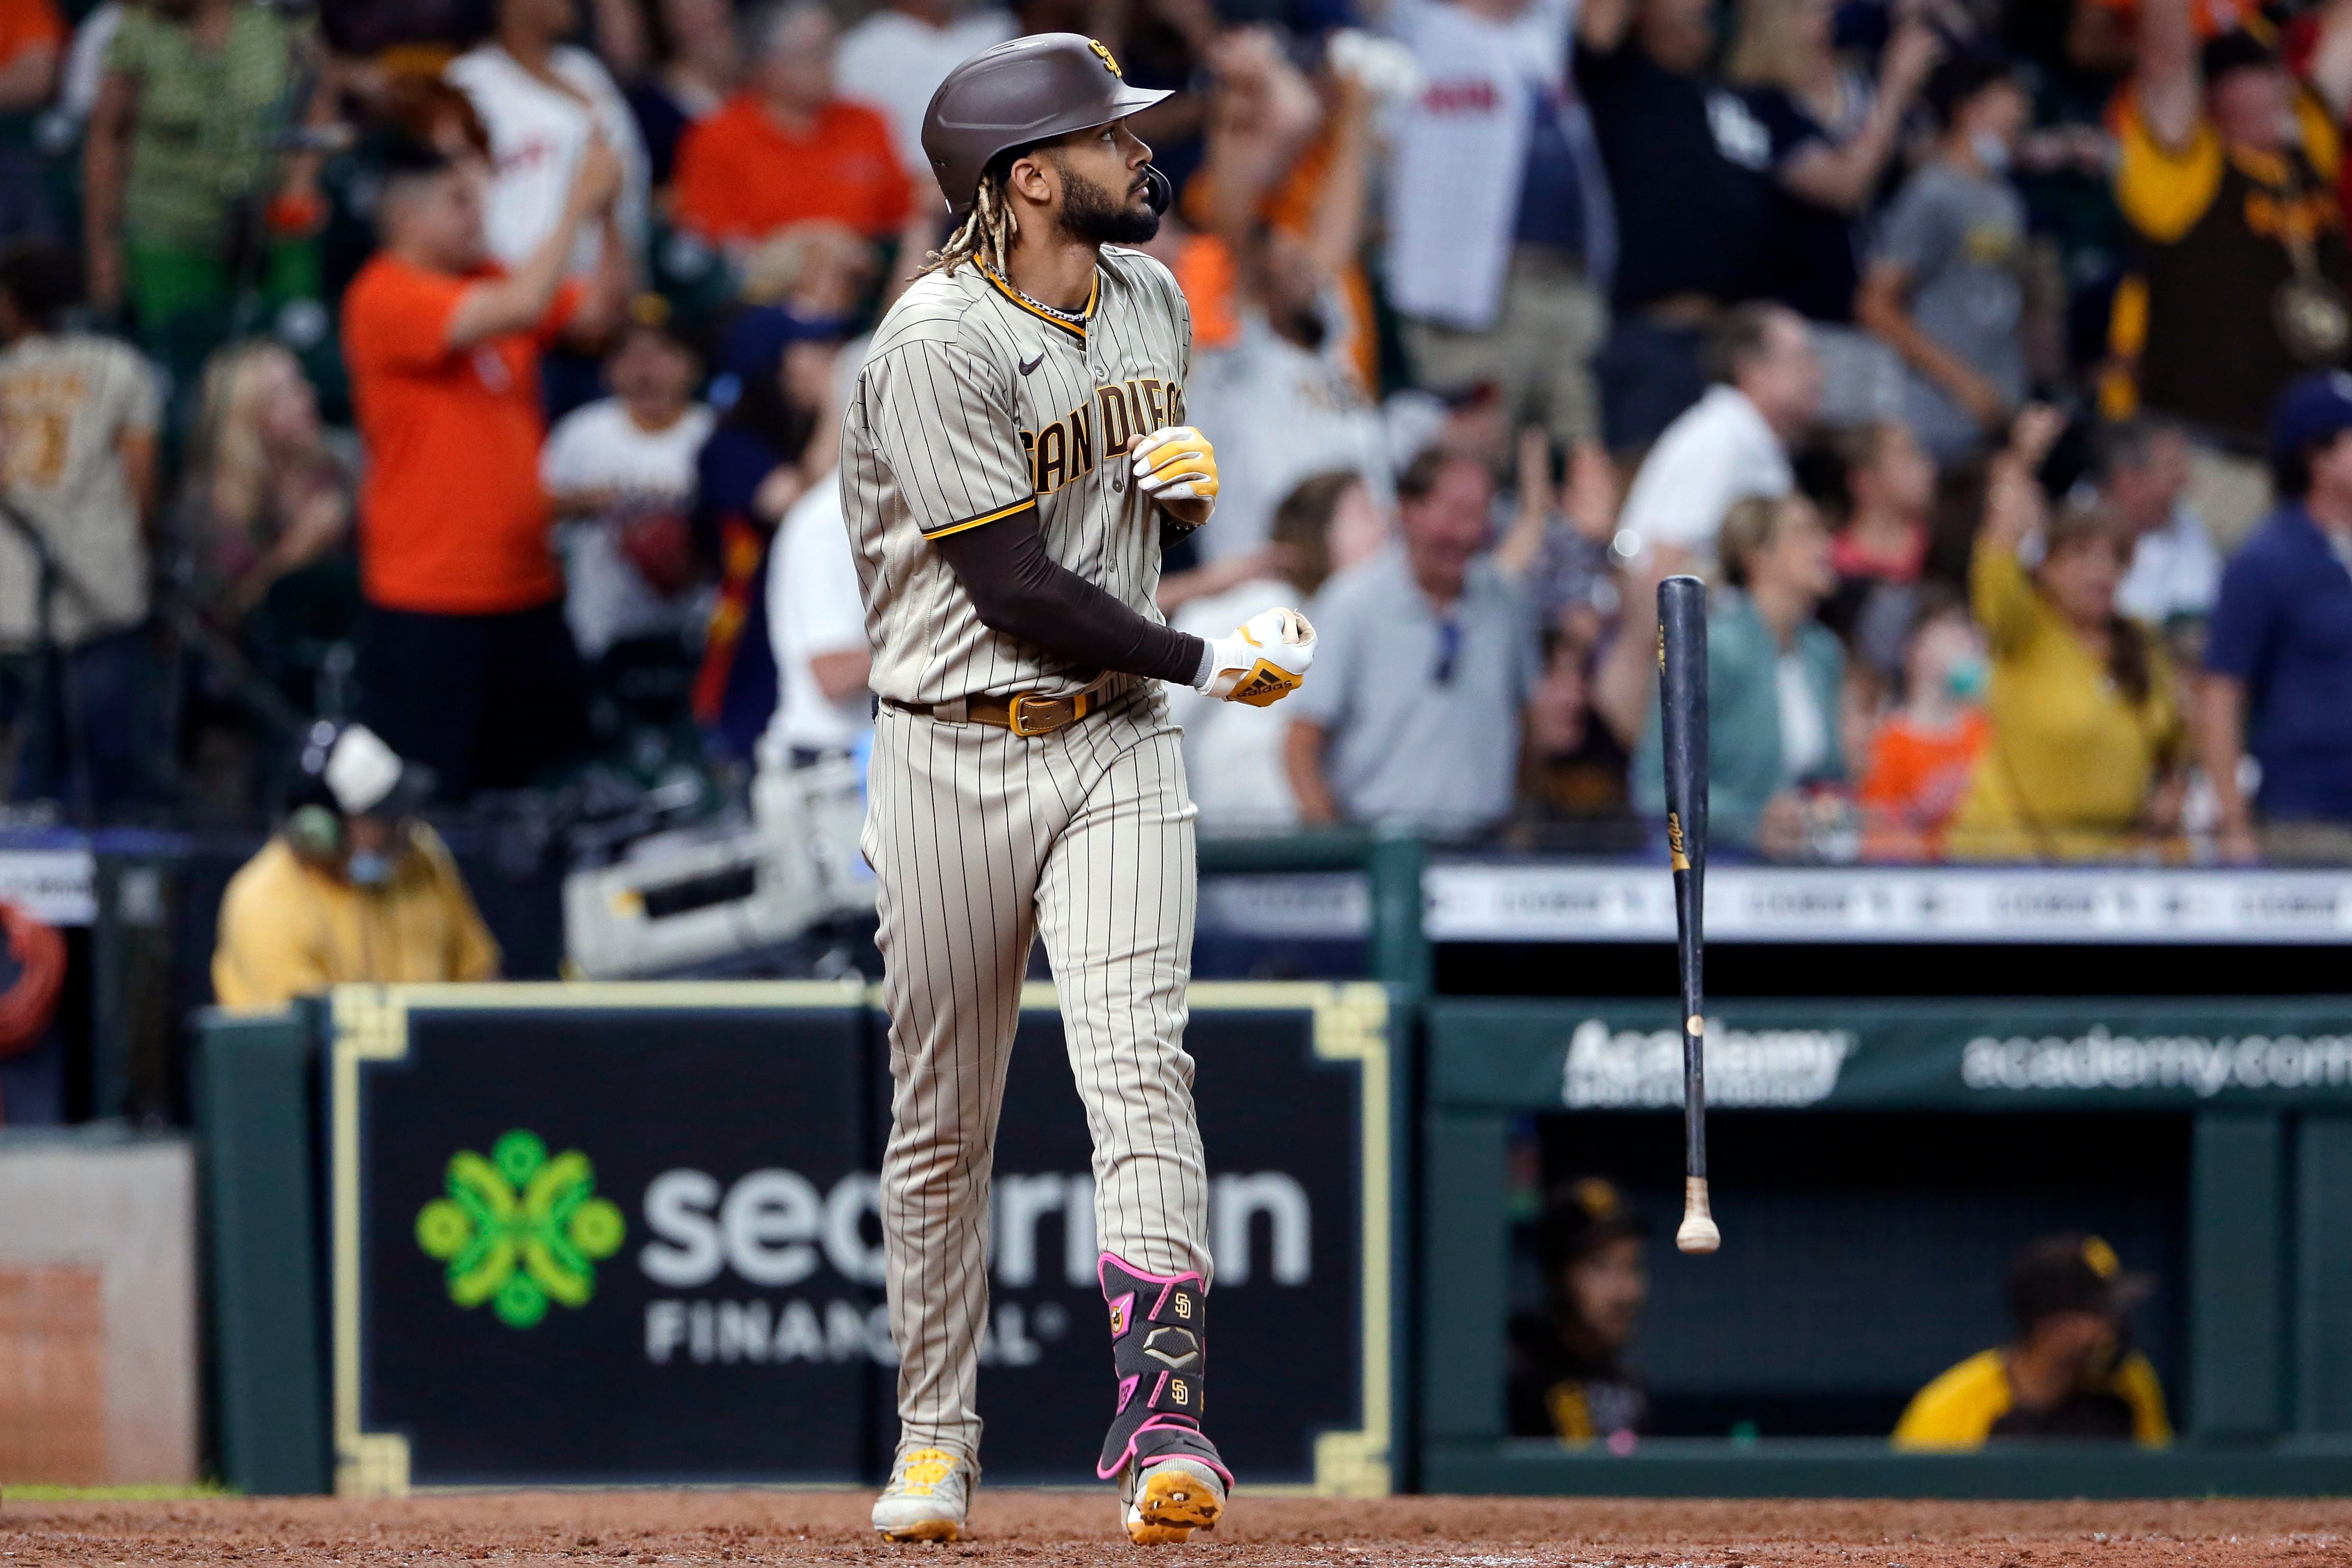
2070,1374
2087,744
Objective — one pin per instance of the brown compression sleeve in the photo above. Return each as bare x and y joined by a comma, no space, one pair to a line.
1023,591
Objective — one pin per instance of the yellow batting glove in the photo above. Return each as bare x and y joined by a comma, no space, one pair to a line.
1264,660
1176,463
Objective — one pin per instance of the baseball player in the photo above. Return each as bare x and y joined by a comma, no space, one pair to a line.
1013,458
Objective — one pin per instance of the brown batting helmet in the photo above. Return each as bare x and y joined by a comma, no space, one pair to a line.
1025,92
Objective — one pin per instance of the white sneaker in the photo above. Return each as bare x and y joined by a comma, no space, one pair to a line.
929,1494
1175,1497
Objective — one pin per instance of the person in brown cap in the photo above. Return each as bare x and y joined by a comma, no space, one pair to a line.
1569,1375
1013,456
2069,1374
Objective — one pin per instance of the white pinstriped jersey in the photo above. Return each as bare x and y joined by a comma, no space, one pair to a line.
971,404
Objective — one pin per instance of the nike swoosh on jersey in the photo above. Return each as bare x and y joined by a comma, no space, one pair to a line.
1032,362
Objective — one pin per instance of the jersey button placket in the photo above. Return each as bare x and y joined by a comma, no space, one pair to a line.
1115,461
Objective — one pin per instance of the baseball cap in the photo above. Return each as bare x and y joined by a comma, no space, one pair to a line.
2312,411
355,772
1583,1214
2070,1272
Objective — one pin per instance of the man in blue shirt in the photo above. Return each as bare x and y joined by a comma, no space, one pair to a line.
2278,660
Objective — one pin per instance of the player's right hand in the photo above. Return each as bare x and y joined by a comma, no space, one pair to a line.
1264,660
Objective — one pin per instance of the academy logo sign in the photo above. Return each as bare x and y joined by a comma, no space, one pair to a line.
1627,1068
2204,1065
519,1229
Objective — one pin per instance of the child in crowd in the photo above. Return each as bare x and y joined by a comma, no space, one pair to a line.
1923,754
1881,546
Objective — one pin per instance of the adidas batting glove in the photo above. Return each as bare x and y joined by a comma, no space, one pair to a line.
1264,660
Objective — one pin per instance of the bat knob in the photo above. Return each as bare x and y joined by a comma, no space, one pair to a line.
1696,1233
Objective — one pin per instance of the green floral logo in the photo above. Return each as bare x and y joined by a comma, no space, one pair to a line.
519,1229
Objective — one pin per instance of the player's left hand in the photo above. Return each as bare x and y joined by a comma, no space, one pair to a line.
1264,660
1176,467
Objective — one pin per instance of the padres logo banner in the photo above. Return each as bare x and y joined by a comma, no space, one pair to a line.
615,1233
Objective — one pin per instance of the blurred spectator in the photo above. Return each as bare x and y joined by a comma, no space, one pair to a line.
699,65
1573,767
1569,1373
622,471
544,103
810,278
1734,442
1882,543
788,148
2240,265
2278,662
189,193
465,663
1923,755
816,615
1833,133
1280,394
353,887
1283,146
1501,236
1689,166
817,626
2141,469
896,59
1557,545
777,442
32,38
1234,753
1946,289
265,497
1773,679
2069,1374
78,421
2085,726
1427,658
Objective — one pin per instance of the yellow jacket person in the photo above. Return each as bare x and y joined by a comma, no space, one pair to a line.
353,887
2067,1374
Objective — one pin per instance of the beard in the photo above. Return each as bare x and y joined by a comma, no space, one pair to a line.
1090,212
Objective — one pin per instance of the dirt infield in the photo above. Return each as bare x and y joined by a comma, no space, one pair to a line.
1050,1530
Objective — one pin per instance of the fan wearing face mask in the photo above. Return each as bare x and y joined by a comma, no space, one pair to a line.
355,887
1923,754
1946,289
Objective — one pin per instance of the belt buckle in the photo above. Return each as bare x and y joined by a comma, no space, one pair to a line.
1016,708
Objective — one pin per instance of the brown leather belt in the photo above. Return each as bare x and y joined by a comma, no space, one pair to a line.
1024,713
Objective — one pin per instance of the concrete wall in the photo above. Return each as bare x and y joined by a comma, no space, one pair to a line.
98,1309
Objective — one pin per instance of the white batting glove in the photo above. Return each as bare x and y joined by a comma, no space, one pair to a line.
1264,660
1176,463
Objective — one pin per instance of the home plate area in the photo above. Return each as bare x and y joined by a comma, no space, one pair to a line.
1040,1529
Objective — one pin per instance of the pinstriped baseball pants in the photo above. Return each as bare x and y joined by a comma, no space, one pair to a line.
983,841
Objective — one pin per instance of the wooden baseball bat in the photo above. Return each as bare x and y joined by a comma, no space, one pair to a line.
1682,698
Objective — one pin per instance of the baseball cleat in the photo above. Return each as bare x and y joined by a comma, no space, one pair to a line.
1174,1498
929,1495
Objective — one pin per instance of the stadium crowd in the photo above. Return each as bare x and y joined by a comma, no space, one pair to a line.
470,368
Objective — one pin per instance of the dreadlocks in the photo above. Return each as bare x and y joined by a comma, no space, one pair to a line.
985,236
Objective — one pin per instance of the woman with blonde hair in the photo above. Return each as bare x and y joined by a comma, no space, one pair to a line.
265,496
1774,673
2088,746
